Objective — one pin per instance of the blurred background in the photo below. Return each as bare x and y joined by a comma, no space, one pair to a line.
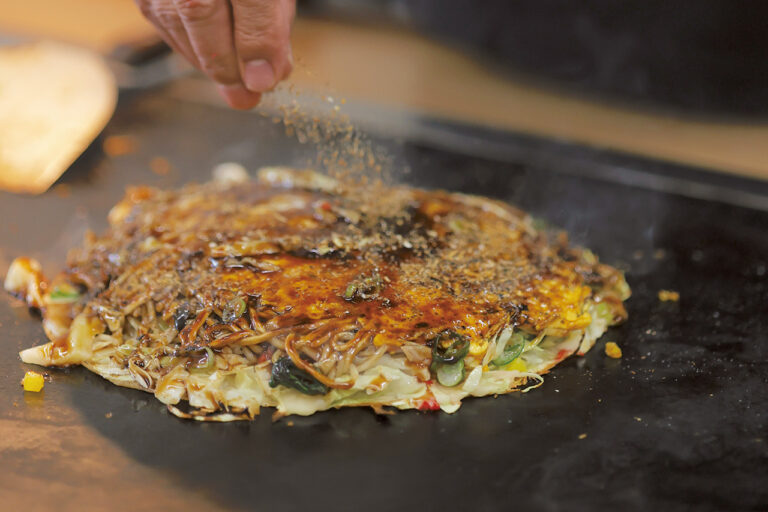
678,81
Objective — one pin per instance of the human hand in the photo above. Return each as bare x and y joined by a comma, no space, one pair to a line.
243,45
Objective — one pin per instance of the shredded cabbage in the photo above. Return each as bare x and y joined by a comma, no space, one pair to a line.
391,382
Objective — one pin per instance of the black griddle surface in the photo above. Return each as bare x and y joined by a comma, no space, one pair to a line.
678,423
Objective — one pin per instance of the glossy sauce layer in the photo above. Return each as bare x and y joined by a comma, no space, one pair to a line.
403,264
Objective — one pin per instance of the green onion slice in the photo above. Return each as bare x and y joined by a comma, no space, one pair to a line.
210,360
449,347
233,310
349,293
64,294
450,374
512,349
603,310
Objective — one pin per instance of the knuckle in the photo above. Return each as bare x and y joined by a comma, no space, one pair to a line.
256,18
260,27
166,17
256,43
196,10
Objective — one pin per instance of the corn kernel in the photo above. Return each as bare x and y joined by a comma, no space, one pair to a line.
668,296
517,365
381,339
478,347
612,350
33,381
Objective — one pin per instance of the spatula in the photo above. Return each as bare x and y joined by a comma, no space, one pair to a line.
56,98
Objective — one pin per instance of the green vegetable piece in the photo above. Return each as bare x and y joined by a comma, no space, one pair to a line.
233,310
450,374
364,287
210,360
64,294
458,225
512,349
449,347
349,293
604,311
167,361
286,373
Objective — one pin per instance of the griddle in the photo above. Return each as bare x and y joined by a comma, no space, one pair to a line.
679,422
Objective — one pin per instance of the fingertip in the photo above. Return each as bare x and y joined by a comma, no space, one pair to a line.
239,97
259,75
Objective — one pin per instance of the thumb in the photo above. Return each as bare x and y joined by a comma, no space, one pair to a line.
262,30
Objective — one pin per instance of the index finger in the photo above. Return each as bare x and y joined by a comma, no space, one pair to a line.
209,26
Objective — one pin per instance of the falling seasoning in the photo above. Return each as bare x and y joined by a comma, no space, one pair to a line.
343,151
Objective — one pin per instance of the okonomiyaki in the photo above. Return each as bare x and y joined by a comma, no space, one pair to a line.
296,292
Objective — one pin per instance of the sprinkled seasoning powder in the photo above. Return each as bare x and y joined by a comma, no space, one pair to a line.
343,151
